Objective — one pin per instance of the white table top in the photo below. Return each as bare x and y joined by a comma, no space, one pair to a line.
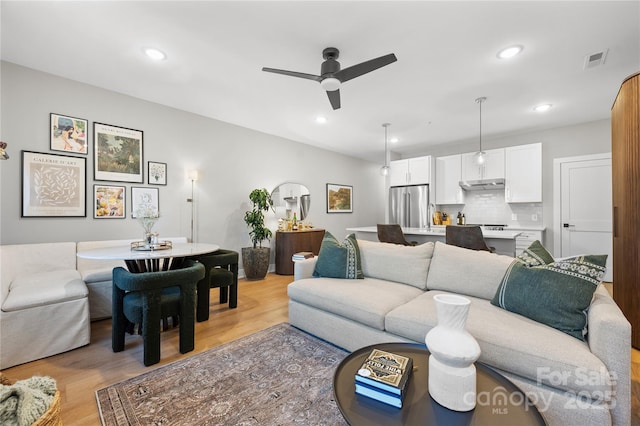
440,232
125,253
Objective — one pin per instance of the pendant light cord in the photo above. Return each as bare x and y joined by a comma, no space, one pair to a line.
480,101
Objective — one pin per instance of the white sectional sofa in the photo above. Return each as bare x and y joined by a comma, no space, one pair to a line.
572,382
49,296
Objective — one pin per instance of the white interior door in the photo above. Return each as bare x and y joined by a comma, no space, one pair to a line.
586,209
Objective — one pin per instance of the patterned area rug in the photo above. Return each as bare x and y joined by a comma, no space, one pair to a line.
278,376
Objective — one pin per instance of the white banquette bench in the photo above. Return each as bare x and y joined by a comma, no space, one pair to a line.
48,296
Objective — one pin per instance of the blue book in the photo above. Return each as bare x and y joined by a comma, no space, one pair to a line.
378,395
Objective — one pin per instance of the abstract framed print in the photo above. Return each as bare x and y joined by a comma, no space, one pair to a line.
53,185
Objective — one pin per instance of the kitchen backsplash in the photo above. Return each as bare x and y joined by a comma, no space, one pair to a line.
489,207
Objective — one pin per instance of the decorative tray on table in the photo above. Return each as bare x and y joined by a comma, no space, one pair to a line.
144,246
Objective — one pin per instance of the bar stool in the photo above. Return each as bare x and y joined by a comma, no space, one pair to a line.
221,270
147,297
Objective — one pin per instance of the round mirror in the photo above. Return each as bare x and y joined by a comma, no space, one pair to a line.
291,197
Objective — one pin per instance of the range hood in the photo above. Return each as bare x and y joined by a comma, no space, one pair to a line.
483,184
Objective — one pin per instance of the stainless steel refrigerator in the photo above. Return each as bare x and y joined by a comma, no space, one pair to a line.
409,206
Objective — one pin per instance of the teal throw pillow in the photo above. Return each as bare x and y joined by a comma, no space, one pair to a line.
338,260
557,293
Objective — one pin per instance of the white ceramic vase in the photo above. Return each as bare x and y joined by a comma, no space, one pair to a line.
452,375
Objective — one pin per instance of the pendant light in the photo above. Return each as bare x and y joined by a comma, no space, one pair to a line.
480,156
384,170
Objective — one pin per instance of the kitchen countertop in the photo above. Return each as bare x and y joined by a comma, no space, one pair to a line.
439,231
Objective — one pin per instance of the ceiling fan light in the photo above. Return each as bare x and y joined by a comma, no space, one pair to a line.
330,84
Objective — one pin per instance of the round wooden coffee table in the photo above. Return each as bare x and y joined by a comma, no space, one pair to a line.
498,401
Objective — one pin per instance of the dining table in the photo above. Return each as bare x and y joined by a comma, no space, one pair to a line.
144,259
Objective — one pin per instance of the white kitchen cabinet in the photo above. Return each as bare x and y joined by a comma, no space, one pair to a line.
493,167
410,171
523,174
448,175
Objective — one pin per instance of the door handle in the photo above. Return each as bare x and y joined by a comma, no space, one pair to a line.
566,225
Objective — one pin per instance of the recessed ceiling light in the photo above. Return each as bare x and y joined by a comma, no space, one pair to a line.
394,140
155,54
542,107
321,119
509,52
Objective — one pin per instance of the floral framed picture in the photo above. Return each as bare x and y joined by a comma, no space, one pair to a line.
144,202
68,134
53,185
156,173
117,153
109,202
339,198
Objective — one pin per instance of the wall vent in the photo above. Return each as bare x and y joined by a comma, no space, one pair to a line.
595,59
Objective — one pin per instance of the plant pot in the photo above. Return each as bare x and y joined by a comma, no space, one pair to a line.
255,262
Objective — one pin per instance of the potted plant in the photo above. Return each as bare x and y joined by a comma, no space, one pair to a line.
255,260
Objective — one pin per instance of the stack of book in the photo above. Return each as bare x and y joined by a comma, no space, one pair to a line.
302,255
383,376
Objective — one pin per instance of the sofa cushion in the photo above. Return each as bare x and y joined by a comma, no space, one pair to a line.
366,301
44,288
513,343
557,294
338,260
464,271
393,262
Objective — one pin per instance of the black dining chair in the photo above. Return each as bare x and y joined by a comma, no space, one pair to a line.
221,270
392,233
466,236
145,298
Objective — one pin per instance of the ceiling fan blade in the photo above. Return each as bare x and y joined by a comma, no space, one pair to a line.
334,98
364,67
294,74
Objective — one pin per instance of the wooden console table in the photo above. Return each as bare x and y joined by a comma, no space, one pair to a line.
290,242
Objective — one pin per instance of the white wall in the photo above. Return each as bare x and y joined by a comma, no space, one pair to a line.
580,139
231,161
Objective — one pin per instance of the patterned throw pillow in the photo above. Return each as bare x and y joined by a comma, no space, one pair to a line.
338,260
535,255
556,293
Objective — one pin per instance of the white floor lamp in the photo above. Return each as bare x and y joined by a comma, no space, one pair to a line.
193,177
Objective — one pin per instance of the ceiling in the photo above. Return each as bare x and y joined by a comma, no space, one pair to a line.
446,59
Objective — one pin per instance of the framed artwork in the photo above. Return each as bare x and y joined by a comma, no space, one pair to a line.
109,202
117,154
144,202
53,185
68,134
339,198
156,173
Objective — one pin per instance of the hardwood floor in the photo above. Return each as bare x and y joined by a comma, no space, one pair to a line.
80,372
261,304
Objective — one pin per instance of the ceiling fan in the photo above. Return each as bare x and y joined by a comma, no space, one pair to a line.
331,76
